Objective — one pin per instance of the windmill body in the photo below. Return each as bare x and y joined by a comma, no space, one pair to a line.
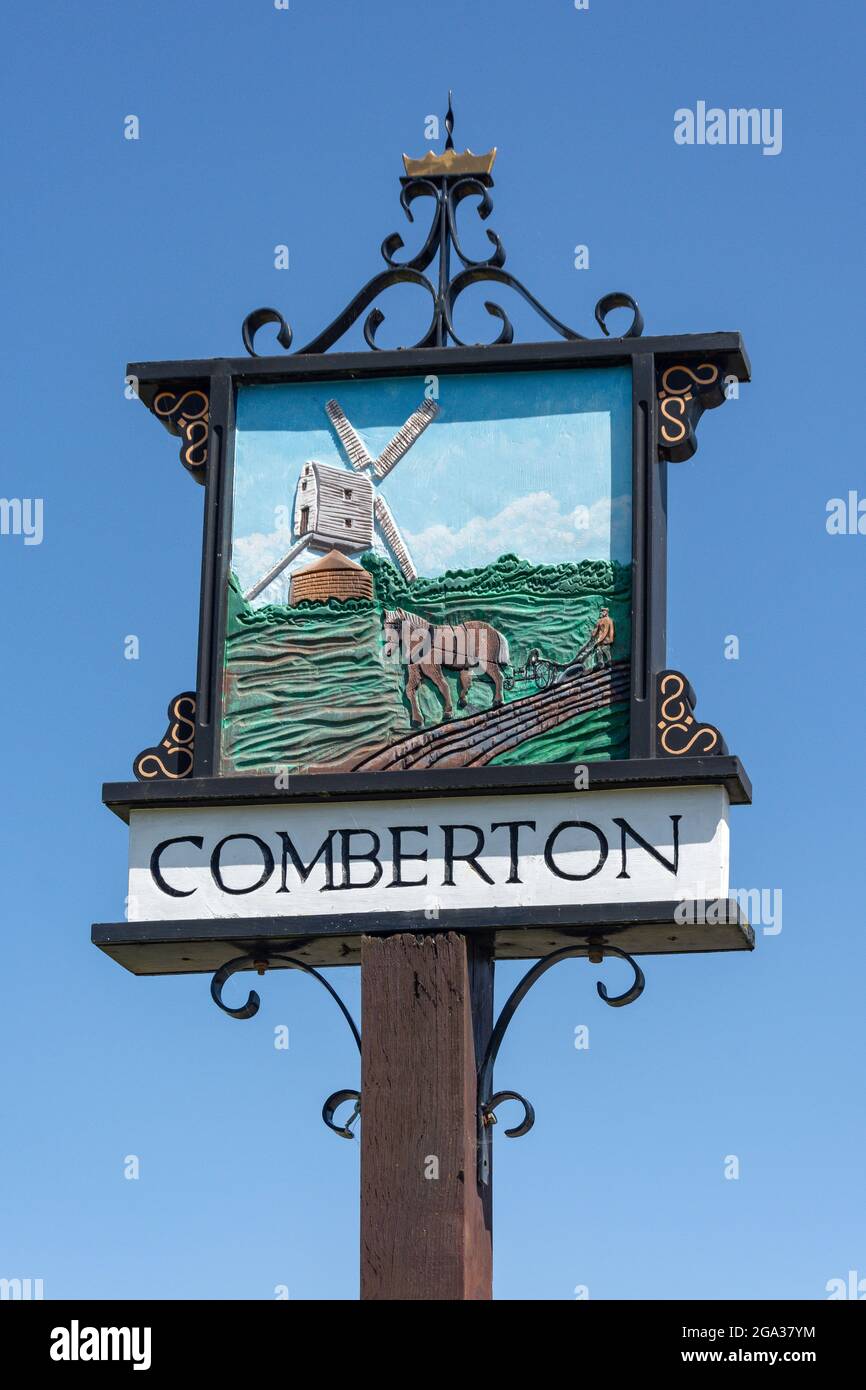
334,509
339,509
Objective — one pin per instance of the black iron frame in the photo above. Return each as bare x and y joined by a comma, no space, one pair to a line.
221,377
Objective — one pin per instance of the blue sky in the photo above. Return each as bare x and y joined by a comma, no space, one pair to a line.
536,464
260,128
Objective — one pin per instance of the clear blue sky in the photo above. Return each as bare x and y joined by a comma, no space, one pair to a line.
261,127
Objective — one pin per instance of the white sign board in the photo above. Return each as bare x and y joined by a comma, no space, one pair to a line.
470,853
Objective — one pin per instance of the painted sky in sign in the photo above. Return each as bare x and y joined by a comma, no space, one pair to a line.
534,463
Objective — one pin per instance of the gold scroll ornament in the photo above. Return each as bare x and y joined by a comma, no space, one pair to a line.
189,416
678,730
173,757
673,399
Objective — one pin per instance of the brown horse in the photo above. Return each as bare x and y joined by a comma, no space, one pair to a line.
470,648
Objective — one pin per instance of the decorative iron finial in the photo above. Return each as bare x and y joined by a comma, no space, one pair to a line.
450,164
446,179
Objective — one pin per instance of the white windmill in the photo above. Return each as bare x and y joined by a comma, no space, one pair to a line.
339,510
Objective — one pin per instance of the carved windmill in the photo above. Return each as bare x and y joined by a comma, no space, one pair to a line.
339,510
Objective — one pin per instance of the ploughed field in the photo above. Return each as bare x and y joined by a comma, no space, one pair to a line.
310,687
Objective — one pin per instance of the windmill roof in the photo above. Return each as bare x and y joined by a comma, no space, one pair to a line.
334,560
336,472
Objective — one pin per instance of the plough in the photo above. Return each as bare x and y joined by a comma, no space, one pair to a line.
542,672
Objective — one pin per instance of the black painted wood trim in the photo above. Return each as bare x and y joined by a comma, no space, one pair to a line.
123,797
406,362
125,940
586,918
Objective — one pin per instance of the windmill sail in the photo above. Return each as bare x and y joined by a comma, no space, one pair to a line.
349,437
405,438
389,529
330,513
357,453
275,570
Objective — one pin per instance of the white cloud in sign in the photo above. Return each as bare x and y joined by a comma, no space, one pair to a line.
534,528
254,555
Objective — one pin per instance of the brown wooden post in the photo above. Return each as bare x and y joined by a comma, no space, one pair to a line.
426,1015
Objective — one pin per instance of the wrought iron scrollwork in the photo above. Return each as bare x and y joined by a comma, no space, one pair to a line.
256,320
488,1100
412,189
447,179
331,1106
260,962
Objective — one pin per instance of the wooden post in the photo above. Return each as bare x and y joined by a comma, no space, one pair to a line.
427,1012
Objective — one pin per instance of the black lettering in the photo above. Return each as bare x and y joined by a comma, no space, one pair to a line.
267,861
470,858
156,870
626,829
304,870
514,828
398,855
348,858
603,848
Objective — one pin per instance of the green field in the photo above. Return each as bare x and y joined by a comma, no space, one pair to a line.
308,686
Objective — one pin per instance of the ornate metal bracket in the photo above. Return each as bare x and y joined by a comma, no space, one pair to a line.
685,392
677,730
447,179
188,416
260,963
488,1100
173,757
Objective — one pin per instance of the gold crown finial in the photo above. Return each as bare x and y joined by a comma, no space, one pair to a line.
450,164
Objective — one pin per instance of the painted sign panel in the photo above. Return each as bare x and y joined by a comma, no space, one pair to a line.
430,572
469,853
